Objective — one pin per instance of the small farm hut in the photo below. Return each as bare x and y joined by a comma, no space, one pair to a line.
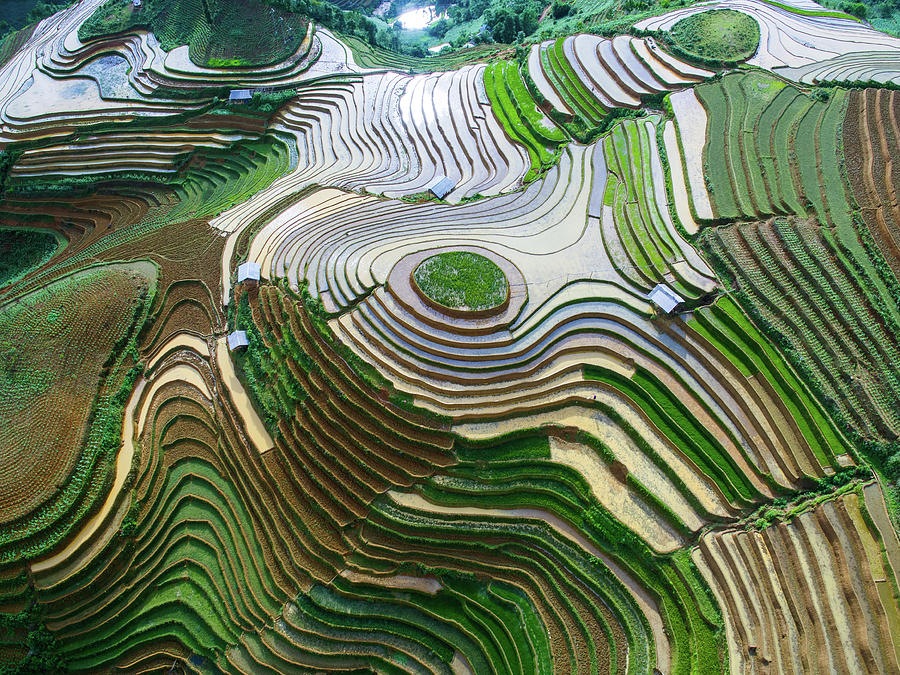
441,187
249,271
237,340
665,298
239,96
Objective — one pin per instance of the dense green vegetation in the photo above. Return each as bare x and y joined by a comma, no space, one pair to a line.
24,636
10,43
718,36
24,250
391,56
498,21
784,509
16,14
884,15
462,280
772,158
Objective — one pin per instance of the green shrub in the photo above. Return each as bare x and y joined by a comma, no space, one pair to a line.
561,9
23,250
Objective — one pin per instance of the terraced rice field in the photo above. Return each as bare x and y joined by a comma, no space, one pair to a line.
211,29
788,273
792,34
780,152
522,120
583,77
870,138
824,578
68,372
571,358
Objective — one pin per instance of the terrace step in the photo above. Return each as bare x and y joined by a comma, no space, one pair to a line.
786,32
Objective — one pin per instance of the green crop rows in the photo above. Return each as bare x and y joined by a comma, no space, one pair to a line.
789,275
570,88
521,118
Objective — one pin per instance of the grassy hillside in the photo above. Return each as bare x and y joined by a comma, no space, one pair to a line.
215,30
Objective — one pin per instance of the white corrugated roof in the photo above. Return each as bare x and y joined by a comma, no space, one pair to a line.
665,298
442,186
249,271
237,339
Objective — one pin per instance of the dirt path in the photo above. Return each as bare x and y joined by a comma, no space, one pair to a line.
253,425
427,585
123,466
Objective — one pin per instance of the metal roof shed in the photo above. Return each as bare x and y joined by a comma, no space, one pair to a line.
665,298
249,271
441,187
240,95
237,340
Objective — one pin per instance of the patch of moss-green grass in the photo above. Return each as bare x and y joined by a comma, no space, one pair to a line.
462,280
721,35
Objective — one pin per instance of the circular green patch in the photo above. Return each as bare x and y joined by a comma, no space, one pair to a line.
720,35
462,280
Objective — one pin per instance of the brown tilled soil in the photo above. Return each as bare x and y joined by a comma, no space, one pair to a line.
188,297
52,373
871,146
188,254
